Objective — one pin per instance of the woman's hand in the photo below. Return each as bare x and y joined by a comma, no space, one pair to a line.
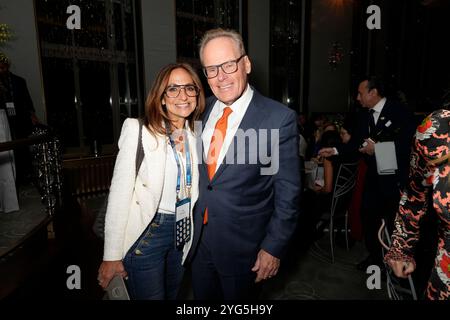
107,271
318,188
402,269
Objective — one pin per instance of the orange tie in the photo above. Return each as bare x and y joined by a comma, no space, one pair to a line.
215,146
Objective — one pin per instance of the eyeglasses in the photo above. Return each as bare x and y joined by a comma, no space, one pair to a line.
173,91
227,67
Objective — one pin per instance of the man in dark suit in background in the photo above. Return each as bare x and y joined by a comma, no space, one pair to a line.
16,100
248,206
385,120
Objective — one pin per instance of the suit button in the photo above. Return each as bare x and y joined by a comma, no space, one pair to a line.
144,185
209,188
137,202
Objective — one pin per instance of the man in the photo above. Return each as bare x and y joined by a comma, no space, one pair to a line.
244,217
386,120
16,100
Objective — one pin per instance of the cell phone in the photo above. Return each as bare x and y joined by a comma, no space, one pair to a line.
117,289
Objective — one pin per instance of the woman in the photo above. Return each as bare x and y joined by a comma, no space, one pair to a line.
329,139
140,220
346,130
429,170
8,193
317,197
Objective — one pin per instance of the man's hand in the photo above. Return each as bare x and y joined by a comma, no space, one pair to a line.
402,268
326,152
107,270
266,266
369,148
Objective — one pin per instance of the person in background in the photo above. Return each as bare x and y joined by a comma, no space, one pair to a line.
386,120
317,200
16,101
313,135
8,192
140,238
302,143
329,139
329,126
346,130
429,173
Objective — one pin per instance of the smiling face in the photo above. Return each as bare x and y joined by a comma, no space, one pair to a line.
226,87
179,108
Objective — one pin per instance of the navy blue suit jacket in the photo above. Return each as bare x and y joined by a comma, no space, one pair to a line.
248,211
396,123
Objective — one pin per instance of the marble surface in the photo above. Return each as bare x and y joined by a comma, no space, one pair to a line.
310,275
14,226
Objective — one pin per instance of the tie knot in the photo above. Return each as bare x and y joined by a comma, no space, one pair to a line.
371,111
226,112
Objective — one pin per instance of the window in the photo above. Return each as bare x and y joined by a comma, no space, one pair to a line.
91,75
285,51
195,17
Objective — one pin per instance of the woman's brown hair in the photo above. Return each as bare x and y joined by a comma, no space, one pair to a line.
155,113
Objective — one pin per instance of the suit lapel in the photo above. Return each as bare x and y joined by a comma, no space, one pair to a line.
385,116
155,160
193,147
203,170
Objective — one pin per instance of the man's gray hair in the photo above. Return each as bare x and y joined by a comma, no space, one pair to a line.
219,33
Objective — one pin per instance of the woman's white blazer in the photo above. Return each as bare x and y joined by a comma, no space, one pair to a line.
133,202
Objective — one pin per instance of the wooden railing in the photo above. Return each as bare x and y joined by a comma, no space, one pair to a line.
88,177
86,186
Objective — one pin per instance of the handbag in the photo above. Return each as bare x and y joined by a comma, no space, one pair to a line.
99,223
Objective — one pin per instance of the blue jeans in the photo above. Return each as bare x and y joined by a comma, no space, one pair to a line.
153,264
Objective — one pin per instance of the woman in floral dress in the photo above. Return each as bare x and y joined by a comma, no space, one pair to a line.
430,170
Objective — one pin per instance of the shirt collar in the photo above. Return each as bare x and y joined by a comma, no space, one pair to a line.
379,106
240,105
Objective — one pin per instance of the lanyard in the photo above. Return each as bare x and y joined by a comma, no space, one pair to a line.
188,162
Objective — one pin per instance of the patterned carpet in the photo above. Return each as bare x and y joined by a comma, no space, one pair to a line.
308,274
311,276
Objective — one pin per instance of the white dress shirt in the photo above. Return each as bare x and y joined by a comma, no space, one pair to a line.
169,196
378,108
239,108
